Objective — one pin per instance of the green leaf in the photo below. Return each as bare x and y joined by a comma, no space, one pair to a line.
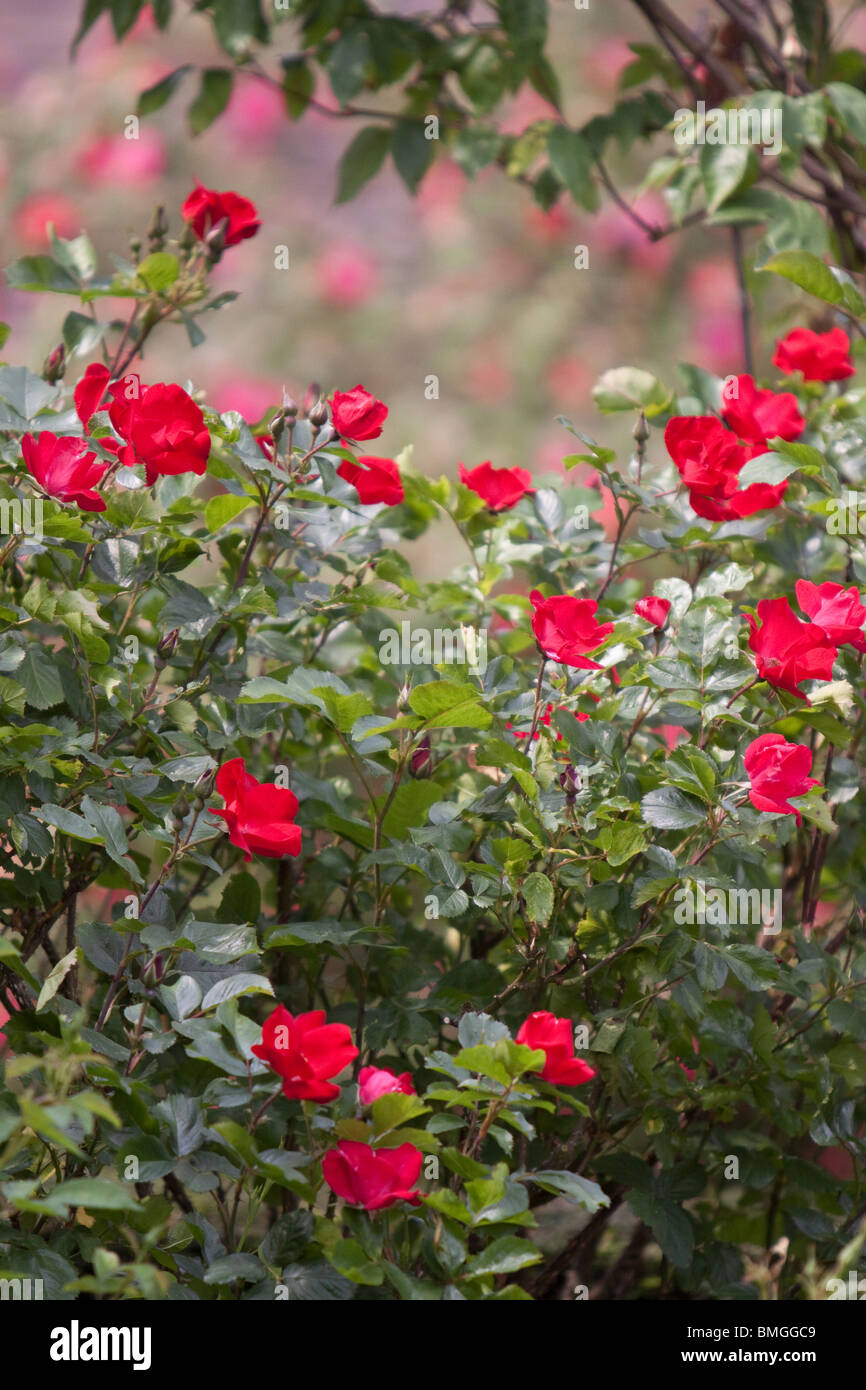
158,271
349,1258
766,468
298,86
362,160
811,274
101,1193
231,1267
412,152
55,979
583,1191
630,388
212,99
724,170
537,891
235,985
239,24
571,159
40,678
37,273
223,509
669,1224
503,1256
347,63
668,808
152,98
449,705
850,104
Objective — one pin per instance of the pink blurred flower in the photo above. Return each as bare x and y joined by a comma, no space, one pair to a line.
605,62
569,381
527,107
250,396
346,275
671,733
549,227
617,234
255,113
489,382
33,214
440,195
114,159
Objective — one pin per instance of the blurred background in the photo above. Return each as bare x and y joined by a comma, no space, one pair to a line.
470,281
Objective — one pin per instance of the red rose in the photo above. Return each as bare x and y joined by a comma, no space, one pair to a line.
788,650
373,1178
554,1037
819,356
566,628
168,433
356,414
757,416
90,391
205,208
259,816
836,610
377,480
778,770
305,1051
64,469
653,610
500,488
708,459
374,1082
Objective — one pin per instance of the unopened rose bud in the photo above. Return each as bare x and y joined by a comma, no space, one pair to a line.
569,780
640,433
215,241
54,365
290,407
319,415
158,229
403,698
204,786
421,762
278,427
165,647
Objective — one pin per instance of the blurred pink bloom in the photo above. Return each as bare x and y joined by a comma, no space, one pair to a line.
33,214
114,159
711,294
255,113
441,192
346,275
718,340
549,227
605,62
250,396
672,734
489,382
615,233
527,107
569,380
711,283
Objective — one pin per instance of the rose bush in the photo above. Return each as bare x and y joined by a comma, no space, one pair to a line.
403,1017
